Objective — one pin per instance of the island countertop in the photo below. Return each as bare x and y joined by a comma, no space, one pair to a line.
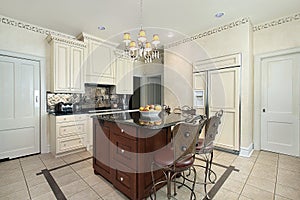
162,120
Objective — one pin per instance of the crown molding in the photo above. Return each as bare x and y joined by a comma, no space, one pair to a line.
72,42
30,27
276,22
209,32
85,36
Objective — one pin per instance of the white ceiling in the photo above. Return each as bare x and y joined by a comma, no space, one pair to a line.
159,16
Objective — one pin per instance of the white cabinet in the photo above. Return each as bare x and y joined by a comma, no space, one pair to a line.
68,133
100,60
67,70
124,76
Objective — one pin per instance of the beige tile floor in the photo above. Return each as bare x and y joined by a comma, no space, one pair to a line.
263,176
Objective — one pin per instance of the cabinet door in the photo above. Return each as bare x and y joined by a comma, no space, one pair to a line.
199,81
100,67
124,76
61,68
76,69
224,87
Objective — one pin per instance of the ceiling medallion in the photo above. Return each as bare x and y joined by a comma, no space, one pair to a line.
141,49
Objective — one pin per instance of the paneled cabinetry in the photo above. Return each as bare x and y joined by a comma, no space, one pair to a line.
67,69
100,60
219,79
67,133
124,76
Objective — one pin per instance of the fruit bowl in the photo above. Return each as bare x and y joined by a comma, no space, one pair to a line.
150,113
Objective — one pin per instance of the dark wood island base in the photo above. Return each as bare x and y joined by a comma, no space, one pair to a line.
119,155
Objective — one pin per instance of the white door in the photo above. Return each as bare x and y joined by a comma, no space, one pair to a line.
223,93
280,104
19,107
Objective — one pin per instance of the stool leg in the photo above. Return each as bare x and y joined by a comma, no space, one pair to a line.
205,177
210,164
169,185
174,176
193,187
153,182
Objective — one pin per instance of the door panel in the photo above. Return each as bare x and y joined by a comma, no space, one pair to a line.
19,123
223,90
62,78
280,104
7,89
76,69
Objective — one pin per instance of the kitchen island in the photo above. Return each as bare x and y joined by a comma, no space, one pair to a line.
124,144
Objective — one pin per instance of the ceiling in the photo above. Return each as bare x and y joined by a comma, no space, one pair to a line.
180,18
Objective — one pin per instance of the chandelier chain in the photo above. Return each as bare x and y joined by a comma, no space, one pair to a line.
141,13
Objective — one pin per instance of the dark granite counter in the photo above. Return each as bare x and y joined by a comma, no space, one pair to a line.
152,122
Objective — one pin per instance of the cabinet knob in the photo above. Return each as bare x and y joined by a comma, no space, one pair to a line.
121,179
79,141
65,145
122,131
122,151
64,130
65,118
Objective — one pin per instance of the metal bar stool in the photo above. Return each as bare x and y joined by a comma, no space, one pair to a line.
177,157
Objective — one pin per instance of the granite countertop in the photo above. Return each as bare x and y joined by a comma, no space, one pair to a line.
154,122
93,112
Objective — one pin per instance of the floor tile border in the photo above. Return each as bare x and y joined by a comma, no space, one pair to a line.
52,183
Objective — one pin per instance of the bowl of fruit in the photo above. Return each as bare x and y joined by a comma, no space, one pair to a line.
150,110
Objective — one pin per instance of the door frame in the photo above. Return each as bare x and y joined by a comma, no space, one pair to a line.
257,91
44,137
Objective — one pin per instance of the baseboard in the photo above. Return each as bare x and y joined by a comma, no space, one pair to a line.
246,151
45,149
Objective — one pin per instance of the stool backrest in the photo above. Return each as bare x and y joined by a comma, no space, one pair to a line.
185,137
211,128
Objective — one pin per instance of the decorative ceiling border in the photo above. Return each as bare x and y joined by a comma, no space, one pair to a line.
276,22
33,28
209,32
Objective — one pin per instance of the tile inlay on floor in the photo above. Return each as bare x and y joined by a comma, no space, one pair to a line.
264,175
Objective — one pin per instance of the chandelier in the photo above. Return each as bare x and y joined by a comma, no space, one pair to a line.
141,49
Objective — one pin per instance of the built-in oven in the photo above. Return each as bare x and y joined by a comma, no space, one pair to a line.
198,99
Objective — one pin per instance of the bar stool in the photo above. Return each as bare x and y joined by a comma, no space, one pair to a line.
177,157
205,147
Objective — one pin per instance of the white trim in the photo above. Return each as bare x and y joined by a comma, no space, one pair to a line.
218,62
44,141
246,151
85,36
257,91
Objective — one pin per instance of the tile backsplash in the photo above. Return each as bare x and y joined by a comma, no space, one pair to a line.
54,98
95,97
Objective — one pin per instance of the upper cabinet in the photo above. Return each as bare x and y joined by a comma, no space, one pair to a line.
67,65
100,60
124,76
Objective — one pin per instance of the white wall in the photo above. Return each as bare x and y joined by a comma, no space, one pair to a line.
179,60
279,37
178,77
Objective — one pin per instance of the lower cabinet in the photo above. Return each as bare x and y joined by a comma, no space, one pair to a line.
67,133
119,156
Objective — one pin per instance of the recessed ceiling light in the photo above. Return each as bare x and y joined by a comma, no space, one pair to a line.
170,34
101,28
219,14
